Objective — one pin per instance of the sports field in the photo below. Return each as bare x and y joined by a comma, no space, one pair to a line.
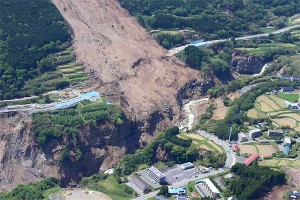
263,150
273,107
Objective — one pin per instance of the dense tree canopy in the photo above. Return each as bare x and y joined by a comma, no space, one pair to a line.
221,18
29,31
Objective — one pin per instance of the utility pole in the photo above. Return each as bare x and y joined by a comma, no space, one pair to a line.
230,135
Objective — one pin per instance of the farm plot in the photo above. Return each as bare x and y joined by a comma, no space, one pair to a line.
269,103
247,148
273,107
271,163
285,122
265,150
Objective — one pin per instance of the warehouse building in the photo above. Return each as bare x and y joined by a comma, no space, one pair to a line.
255,133
157,175
186,166
209,186
140,184
251,159
275,132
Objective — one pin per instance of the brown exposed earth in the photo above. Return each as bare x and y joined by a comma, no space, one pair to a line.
131,66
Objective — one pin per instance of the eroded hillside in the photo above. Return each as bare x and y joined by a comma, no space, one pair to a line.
131,66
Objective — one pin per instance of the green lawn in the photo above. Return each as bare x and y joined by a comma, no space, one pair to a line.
289,97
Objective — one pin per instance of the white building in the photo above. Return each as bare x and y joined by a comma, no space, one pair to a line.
242,137
187,165
215,193
287,141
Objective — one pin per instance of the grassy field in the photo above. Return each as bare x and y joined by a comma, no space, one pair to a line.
273,107
263,48
289,97
112,188
202,142
281,162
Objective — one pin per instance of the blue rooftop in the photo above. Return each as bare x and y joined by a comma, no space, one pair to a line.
76,100
177,191
286,150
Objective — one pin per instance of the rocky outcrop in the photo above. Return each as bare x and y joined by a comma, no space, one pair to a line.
246,64
22,160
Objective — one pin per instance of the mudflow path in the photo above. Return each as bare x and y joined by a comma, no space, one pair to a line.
130,64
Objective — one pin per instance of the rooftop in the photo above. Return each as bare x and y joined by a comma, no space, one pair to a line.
211,185
250,159
156,172
254,130
188,164
139,183
287,140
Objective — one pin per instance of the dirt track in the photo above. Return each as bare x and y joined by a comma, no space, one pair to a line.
127,59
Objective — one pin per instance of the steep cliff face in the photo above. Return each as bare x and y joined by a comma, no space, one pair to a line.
21,160
245,64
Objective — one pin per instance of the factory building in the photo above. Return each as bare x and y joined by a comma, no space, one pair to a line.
157,175
255,133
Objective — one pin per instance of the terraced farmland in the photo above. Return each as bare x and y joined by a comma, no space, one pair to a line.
273,107
72,71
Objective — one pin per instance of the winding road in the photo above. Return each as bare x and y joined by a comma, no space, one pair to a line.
173,51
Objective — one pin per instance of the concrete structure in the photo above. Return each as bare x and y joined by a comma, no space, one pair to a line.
242,137
177,191
286,89
157,175
214,192
187,165
140,184
251,159
255,133
275,132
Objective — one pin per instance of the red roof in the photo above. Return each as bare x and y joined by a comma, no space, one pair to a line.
194,194
250,159
235,147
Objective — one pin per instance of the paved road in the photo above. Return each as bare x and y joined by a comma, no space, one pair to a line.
207,43
231,158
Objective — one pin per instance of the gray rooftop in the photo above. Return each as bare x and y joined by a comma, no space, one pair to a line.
156,172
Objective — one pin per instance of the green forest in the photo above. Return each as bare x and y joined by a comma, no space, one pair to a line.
253,181
212,19
32,191
29,31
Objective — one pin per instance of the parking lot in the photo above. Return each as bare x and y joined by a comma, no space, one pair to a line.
177,175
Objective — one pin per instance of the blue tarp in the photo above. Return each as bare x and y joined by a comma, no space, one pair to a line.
286,150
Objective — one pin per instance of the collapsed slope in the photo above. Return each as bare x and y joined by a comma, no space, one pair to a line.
131,66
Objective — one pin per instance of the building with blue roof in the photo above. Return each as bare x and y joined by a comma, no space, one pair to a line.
177,191
286,150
